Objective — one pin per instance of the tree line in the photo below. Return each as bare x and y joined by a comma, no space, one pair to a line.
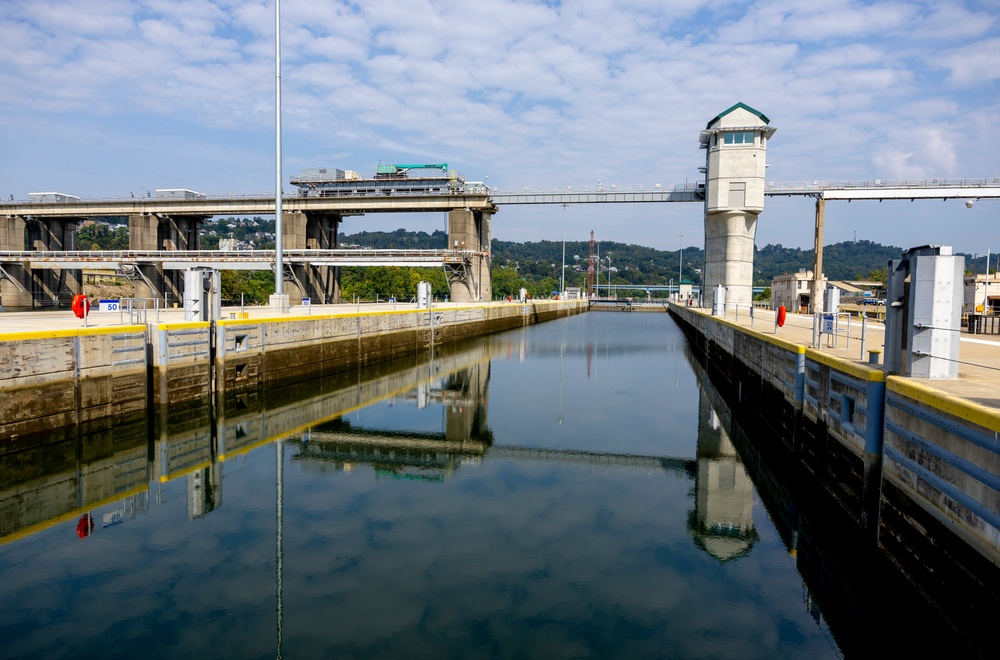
533,265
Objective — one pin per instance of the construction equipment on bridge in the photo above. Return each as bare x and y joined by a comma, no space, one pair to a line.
382,171
432,179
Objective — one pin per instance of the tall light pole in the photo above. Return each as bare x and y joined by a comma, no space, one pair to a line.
279,267
562,281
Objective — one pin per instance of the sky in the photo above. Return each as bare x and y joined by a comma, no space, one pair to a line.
104,98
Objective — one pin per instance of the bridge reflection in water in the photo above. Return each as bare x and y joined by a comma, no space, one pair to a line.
45,482
116,478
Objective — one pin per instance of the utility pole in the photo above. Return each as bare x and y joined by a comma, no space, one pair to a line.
562,280
680,263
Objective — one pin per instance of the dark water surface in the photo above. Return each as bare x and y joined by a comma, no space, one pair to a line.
567,490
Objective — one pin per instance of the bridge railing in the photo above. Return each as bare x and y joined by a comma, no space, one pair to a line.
232,255
817,185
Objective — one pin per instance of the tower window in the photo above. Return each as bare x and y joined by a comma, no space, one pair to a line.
738,137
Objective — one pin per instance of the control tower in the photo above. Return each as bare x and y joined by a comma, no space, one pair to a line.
736,144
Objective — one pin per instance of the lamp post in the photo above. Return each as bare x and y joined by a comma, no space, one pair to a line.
279,267
562,280
680,263
609,275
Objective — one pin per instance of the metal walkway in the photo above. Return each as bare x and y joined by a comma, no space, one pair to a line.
261,204
234,259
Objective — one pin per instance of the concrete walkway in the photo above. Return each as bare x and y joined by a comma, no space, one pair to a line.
978,373
65,320
979,355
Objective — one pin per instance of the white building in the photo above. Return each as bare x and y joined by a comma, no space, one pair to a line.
977,289
793,290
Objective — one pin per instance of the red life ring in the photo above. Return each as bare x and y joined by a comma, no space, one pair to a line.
781,316
81,305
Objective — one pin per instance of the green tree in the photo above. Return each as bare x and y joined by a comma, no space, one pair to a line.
506,282
878,275
253,287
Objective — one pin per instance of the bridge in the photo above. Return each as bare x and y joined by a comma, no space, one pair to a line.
733,195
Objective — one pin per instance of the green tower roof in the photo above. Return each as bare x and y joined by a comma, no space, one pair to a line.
738,105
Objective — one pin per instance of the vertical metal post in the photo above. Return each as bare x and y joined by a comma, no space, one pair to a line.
279,268
562,280
817,284
864,334
986,286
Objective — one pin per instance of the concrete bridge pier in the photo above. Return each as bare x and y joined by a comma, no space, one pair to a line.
24,288
312,231
471,231
16,285
467,413
736,145
55,286
156,231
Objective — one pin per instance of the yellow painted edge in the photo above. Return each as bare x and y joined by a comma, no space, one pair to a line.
77,332
164,478
842,364
383,312
184,325
964,409
51,522
770,339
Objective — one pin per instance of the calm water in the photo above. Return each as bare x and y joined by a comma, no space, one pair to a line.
569,490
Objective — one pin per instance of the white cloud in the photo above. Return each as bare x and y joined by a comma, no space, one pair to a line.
531,93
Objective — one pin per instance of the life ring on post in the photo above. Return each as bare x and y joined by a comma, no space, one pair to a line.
781,316
81,305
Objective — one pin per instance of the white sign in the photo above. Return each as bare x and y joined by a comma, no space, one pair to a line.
828,324
109,305
306,302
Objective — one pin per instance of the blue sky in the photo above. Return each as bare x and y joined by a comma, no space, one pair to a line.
107,97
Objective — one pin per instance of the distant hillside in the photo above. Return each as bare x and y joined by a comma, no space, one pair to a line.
849,260
644,265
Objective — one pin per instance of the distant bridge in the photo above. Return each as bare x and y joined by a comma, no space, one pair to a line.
262,204
694,192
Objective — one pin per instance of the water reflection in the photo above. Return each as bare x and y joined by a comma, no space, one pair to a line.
45,480
722,523
577,488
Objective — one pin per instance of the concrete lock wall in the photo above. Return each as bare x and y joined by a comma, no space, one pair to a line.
940,503
181,366
70,381
917,467
278,350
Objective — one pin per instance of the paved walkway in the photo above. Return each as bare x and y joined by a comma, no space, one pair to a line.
65,320
979,355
